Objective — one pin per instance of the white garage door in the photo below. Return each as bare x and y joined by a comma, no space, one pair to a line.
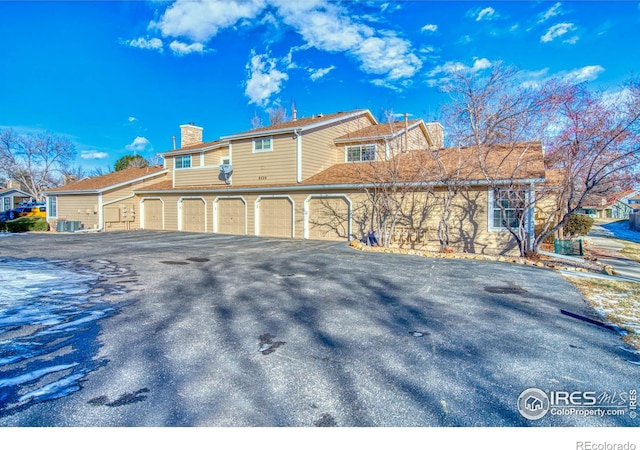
193,215
328,218
231,216
275,217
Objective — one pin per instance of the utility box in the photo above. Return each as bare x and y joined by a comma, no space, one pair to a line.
568,247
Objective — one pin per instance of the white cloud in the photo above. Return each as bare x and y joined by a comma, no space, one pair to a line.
89,154
200,20
557,31
429,27
587,73
181,49
264,80
316,74
551,12
329,27
131,119
139,144
440,75
486,14
145,43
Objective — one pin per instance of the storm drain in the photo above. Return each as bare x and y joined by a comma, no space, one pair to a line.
198,259
517,290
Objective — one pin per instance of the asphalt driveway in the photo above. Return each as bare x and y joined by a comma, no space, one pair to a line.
218,330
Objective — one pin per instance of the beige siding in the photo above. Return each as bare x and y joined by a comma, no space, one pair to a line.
417,227
263,168
197,176
212,158
318,150
83,208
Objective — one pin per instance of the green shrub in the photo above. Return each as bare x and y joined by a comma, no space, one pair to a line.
24,224
578,225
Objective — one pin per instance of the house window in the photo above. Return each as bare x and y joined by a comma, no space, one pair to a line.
6,204
263,144
183,162
52,206
357,153
507,207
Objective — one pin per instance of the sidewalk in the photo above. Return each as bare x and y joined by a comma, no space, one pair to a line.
607,250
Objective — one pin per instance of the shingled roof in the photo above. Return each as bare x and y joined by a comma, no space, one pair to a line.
522,161
97,184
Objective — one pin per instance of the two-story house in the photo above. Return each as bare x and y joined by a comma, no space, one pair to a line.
307,178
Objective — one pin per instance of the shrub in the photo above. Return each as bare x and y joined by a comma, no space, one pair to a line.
24,224
578,225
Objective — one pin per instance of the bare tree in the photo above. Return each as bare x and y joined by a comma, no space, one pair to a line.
256,121
503,123
36,162
277,115
593,147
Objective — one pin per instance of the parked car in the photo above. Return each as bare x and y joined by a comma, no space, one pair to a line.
29,209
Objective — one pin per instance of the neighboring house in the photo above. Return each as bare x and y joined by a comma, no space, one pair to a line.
106,203
11,197
632,198
311,178
617,206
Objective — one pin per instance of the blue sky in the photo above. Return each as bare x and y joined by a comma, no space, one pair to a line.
121,77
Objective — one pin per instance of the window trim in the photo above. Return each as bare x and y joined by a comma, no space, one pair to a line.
52,206
364,149
262,140
6,203
181,158
492,207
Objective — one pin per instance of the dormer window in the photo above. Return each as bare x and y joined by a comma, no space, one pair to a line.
262,145
183,162
359,153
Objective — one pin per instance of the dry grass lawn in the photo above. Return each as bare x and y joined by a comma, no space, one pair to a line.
631,249
617,301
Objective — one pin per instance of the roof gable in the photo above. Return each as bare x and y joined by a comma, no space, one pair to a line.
110,180
305,123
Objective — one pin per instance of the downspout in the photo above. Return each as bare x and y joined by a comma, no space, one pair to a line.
532,215
298,137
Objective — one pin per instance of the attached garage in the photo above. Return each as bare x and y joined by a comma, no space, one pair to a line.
152,214
327,218
230,216
192,212
274,216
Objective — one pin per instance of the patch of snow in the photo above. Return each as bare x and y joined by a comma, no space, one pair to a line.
621,230
48,327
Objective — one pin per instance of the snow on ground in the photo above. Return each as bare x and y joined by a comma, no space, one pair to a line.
621,230
49,313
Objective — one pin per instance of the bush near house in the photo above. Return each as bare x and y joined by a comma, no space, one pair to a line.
24,224
578,225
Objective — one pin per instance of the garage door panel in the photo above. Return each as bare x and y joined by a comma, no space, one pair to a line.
231,216
276,217
193,215
328,218
152,214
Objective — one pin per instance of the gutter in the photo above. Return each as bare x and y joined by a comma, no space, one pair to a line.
325,187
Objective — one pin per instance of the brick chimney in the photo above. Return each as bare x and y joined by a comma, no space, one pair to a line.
190,135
